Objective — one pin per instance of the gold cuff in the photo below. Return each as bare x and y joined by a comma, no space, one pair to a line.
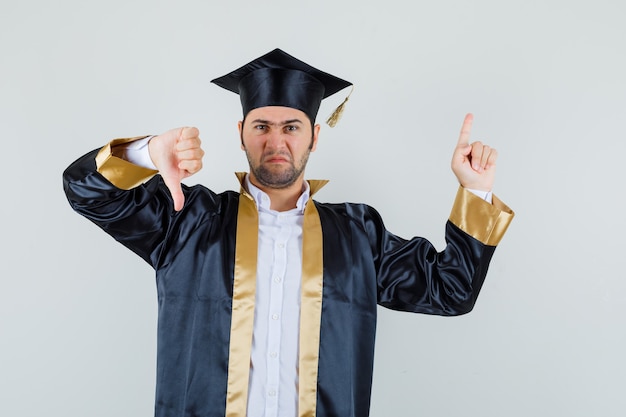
476,217
121,173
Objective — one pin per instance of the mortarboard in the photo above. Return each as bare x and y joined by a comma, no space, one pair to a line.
279,79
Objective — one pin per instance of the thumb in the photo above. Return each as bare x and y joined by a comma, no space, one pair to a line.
460,156
176,190
462,151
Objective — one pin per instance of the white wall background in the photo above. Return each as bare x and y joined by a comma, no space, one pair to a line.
545,80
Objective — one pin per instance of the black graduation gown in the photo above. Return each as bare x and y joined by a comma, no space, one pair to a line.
364,265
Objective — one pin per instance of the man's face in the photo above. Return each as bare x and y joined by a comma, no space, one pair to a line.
277,141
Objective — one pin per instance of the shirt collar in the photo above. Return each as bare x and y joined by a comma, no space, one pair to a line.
263,202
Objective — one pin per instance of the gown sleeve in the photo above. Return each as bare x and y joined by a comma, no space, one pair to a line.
127,201
413,276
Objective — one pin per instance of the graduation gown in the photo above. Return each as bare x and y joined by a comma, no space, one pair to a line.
205,273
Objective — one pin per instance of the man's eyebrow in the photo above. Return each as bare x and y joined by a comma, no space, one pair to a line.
285,122
292,121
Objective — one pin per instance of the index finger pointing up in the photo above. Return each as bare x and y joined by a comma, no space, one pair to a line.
465,130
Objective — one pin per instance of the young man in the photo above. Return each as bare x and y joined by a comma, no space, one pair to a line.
268,298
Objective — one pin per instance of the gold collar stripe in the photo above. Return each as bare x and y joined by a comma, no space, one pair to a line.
242,320
311,309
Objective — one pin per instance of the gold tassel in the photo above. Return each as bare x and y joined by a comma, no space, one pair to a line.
334,118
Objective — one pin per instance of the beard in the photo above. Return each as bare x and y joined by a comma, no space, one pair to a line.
277,176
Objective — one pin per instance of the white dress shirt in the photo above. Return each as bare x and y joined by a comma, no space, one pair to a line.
273,389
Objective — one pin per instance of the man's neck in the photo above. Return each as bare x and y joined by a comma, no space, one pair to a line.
282,199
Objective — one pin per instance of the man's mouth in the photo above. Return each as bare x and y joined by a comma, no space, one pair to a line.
276,159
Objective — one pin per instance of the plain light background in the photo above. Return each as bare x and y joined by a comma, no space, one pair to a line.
544,79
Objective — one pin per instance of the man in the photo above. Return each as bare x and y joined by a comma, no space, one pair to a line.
267,298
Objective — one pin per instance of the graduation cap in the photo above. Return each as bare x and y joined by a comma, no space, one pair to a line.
279,79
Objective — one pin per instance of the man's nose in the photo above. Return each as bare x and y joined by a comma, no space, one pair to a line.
275,139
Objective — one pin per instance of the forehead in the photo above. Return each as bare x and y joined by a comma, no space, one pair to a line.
277,114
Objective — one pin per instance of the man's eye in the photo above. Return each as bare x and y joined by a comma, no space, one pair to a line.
291,128
260,127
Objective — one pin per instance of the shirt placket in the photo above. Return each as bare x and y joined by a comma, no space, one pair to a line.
279,267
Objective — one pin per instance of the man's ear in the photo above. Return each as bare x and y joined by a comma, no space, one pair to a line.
240,128
316,132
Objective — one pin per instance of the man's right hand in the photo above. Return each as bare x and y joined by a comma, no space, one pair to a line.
177,155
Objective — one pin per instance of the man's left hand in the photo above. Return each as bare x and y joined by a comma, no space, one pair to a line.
473,164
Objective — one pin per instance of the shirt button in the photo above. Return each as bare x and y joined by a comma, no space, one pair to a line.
272,393
281,245
275,316
277,279
273,354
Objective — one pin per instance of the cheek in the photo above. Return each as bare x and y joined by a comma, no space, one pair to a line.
249,141
300,151
253,148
